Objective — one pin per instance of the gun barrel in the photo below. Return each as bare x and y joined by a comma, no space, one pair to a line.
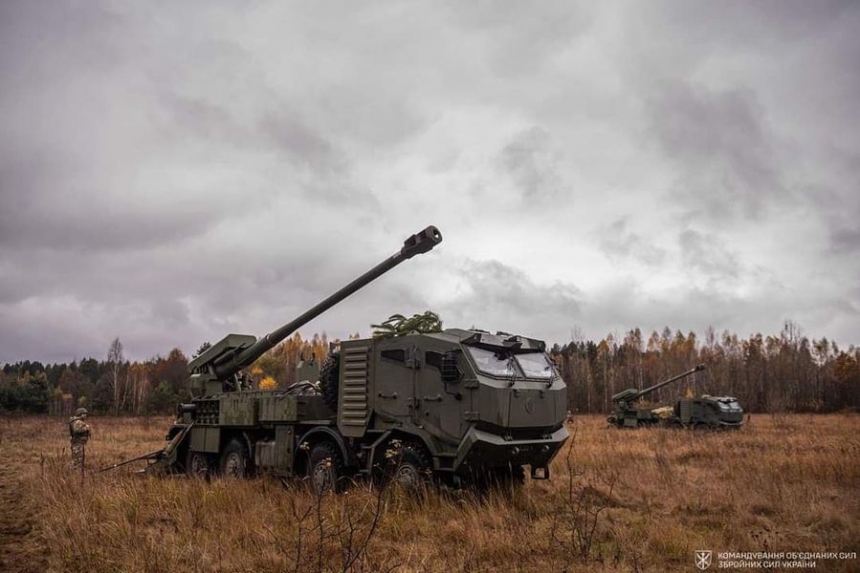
669,381
416,244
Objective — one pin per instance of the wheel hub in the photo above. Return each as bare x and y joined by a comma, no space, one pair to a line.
199,465
407,476
322,476
233,465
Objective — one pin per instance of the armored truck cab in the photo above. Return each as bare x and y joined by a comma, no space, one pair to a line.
714,412
471,401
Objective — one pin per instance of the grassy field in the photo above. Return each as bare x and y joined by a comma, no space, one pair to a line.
641,500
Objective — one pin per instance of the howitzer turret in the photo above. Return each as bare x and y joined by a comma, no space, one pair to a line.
631,394
219,366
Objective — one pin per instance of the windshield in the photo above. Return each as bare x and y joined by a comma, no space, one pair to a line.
491,362
730,406
532,364
535,365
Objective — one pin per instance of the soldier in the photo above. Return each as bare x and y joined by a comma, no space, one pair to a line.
79,433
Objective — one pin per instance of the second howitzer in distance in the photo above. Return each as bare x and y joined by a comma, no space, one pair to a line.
456,405
712,412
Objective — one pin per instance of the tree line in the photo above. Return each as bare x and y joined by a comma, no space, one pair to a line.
783,372
119,386
786,372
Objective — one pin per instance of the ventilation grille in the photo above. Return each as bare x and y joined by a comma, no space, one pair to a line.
354,409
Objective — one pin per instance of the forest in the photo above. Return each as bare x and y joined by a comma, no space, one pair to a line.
786,372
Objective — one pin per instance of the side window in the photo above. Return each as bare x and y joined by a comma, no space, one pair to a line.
446,364
433,359
397,354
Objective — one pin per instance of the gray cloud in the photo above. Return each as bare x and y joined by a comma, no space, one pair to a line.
705,253
620,244
171,173
530,161
722,148
521,40
492,290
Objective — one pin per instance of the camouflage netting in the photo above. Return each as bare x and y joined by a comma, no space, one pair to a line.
399,325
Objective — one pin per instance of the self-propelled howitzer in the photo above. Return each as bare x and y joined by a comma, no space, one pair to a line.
457,406
713,412
627,415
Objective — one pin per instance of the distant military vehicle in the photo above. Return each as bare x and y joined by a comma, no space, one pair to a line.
457,405
713,412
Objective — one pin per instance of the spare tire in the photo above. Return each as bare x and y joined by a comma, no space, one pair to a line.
330,379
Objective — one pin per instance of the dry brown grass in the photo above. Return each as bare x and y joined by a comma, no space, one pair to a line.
618,500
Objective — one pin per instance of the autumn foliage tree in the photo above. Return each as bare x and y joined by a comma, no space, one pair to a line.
785,372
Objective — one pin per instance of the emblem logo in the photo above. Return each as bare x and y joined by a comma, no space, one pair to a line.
529,406
703,559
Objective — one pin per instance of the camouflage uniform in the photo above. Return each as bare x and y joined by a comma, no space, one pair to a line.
79,433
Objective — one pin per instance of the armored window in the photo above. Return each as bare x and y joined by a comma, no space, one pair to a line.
729,406
492,363
535,365
397,354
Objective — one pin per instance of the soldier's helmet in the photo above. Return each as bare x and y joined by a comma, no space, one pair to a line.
81,412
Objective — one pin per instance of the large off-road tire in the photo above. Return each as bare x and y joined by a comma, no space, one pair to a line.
198,465
330,379
413,468
234,461
325,468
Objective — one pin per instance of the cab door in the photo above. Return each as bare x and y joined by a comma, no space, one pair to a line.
440,405
395,382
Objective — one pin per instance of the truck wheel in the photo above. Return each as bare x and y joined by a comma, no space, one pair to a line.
413,469
330,379
325,469
234,461
198,465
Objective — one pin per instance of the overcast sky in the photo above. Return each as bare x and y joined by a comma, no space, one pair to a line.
171,172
